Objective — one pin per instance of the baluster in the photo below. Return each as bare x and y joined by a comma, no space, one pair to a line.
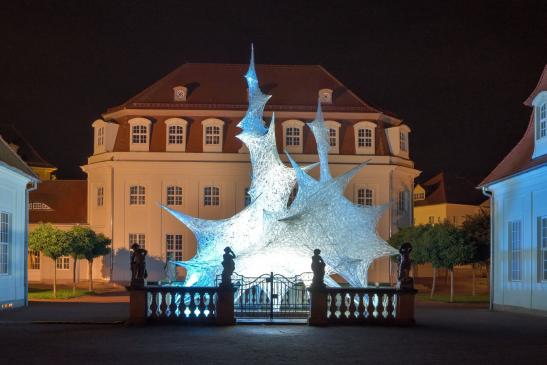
172,306
211,305
341,305
370,306
192,305
380,306
163,304
332,296
352,306
361,307
201,305
154,304
389,307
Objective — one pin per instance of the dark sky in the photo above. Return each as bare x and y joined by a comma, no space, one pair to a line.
456,71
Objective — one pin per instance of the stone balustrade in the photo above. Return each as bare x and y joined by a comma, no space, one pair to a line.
371,305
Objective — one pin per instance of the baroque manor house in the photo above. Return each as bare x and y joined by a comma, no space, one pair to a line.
175,144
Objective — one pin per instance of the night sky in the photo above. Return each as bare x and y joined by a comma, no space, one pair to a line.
455,72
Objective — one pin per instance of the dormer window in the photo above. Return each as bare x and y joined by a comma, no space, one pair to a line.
293,136
403,144
104,136
542,123
140,132
398,140
175,134
365,134
325,96
540,120
212,135
333,129
100,136
180,93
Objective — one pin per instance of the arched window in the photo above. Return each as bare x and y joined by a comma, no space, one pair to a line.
212,135
542,121
293,136
333,129
140,132
176,134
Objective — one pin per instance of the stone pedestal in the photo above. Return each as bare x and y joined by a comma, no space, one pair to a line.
405,306
318,307
225,306
137,305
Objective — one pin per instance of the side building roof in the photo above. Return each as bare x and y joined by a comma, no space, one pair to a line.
66,200
10,158
24,149
449,188
519,159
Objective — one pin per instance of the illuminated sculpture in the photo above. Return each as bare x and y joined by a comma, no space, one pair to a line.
268,236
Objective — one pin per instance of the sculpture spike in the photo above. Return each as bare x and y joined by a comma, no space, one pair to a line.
322,140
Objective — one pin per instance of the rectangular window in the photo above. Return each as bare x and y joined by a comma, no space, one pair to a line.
211,196
543,120
431,219
100,196
247,197
364,138
138,238
402,138
365,197
515,251
176,134
100,136
332,137
63,263
34,260
139,134
137,195
174,247
542,244
4,242
419,196
212,135
292,136
174,195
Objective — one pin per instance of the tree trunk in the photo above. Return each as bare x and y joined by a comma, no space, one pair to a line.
474,291
433,283
74,276
55,278
451,285
90,274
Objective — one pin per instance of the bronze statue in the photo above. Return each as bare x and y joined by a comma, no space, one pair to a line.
228,266
318,268
404,281
138,265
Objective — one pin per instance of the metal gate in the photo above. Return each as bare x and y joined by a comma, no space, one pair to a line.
272,296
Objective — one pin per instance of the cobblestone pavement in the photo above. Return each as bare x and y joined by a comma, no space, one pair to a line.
445,334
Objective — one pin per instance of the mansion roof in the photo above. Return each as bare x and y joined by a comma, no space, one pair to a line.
519,159
449,188
59,201
222,86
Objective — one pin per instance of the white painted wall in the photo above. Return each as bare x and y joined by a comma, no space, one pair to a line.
522,197
13,201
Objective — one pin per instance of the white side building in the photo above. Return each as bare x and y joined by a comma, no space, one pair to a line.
16,179
175,143
519,216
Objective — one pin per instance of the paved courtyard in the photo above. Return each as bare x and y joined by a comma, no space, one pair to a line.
445,334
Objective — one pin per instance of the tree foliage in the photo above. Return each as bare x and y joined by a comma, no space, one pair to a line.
416,235
476,230
49,240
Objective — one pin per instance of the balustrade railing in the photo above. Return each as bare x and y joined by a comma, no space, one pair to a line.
181,304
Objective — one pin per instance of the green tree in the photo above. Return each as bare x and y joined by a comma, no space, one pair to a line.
476,230
416,235
81,241
52,242
448,248
99,248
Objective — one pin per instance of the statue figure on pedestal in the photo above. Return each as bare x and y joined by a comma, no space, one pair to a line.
228,266
138,265
404,281
318,268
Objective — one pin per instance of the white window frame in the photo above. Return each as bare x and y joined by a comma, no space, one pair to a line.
34,260
210,134
211,196
419,196
362,138
138,238
542,248
5,237
174,244
139,140
403,203
137,195
333,130
100,196
175,134
174,195
514,240
296,129
38,206
62,263
365,196
403,141
100,136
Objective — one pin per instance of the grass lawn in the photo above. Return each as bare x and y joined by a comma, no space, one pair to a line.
458,298
41,293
